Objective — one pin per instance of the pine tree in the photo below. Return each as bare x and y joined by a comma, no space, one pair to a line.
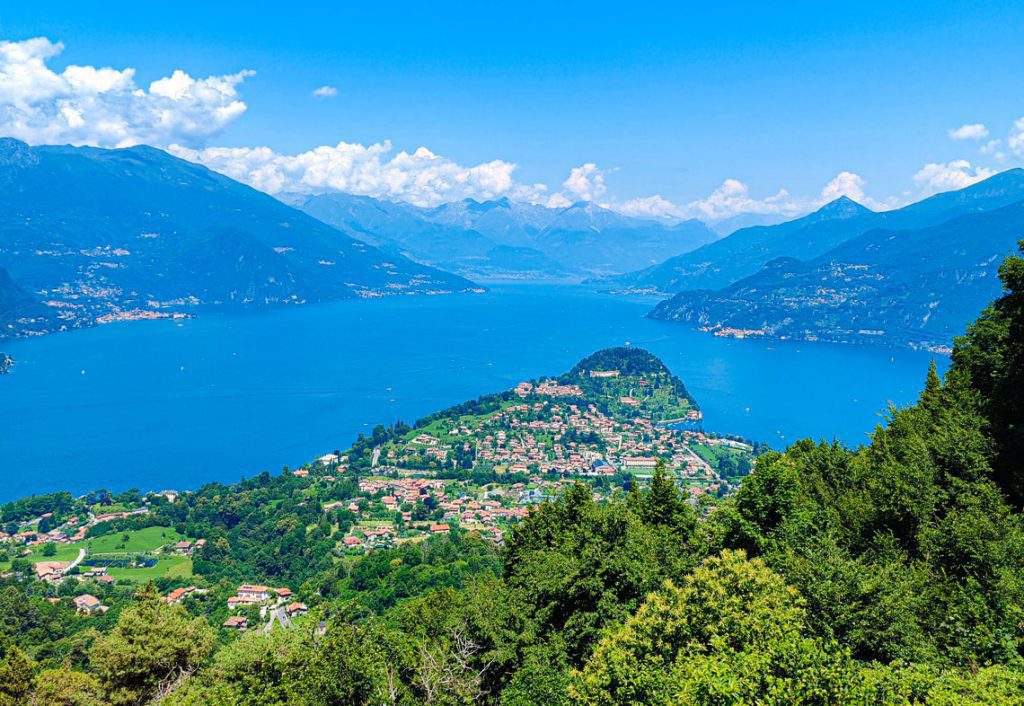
15,678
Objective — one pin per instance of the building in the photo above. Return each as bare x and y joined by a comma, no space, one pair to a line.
296,609
236,622
51,571
640,463
178,594
88,604
253,593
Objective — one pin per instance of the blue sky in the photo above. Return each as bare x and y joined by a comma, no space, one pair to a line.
663,101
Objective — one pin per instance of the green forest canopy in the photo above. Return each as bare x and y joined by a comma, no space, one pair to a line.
888,574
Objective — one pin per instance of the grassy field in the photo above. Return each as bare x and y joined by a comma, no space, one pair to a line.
65,552
173,566
143,540
138,542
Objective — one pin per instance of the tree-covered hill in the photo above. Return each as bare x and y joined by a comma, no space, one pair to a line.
889,574
898,287
87,233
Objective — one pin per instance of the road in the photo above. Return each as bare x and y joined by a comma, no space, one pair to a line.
77,561
281,616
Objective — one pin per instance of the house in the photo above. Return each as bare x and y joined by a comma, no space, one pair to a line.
647,463
283,592
352,542
301,473
440,529
178,594
88,604
184,547
296,609
253,593
51,571
236,622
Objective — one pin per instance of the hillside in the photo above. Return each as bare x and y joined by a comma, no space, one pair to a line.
413,570
502,238
746,251
898,287
98,234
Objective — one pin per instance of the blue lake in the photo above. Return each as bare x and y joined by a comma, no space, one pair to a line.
165,404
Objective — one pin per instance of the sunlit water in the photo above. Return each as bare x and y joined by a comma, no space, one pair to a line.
165,404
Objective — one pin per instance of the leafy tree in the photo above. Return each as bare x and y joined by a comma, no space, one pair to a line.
732,633
152,647
990,359
15,678
64,687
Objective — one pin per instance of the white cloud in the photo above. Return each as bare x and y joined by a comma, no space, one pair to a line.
845,184
1016,139
972,131
958,174
421,177
649,207
586,183
86,105
852,185
992,147
733,198
325,92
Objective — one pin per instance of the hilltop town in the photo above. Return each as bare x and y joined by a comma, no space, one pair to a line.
473,471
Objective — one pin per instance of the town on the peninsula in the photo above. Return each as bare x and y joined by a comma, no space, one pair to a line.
472,471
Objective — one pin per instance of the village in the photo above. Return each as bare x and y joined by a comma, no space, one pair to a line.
478,470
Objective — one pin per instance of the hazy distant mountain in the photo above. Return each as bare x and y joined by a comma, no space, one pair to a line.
727,226
18,308
504,238
747,250
96,233
917,287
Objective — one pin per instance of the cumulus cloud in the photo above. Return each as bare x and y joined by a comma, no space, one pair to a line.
1016,139
420,177
325,92
649,207
972,131
733,198
958,174
586,183
86,105
852,185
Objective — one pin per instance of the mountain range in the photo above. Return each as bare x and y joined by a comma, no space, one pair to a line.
93,234
746,251
505,239
913,277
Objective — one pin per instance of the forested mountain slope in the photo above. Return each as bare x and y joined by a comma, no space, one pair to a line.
93,233
892,573
897,287
746,251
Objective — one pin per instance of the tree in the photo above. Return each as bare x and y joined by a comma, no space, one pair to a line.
15,678
152,647
64,687
732,633
990,360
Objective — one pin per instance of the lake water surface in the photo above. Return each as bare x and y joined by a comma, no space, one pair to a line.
165,404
